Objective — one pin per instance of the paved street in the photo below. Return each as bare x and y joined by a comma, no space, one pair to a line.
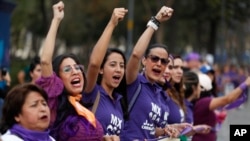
237,116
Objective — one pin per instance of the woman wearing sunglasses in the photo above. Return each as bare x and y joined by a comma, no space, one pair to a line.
106,80
64,81
149,108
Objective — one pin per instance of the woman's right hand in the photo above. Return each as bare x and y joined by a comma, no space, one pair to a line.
58,10
202,129
164,14
118,15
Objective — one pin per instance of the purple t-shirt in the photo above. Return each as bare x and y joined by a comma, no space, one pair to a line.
203,115
149,111
189,113
53,85
176,114
109,112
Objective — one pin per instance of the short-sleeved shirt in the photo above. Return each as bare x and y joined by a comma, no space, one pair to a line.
148,112
203,115
176,113
53,85
109,112
189,113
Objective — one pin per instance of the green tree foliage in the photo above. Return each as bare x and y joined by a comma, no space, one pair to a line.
199,22
194,22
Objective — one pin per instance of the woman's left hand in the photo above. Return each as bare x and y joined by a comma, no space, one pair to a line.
111,138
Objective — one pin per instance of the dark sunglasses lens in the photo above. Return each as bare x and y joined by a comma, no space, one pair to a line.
164,61
155,59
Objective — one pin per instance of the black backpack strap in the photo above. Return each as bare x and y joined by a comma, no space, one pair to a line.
132,102
96,103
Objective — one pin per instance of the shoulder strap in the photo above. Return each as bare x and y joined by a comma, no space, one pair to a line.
97,99
132,102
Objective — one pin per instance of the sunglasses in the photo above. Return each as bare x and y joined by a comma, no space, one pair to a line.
155,59
69,68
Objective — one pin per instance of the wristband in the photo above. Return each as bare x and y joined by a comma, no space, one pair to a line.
154,20
243,86
152,24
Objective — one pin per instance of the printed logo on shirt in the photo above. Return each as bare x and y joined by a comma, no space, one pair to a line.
115,125
165,119
182,115
148,126
154,116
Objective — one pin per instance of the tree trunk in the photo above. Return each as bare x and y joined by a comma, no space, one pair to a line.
212,37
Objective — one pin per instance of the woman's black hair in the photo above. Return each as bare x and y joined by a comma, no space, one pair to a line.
156,45
190,79
35,61
65,108
121,89
214,84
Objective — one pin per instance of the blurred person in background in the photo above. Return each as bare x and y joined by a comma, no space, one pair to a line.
31,72
192,61
5,84
192,89
242,75
35,70
228,78
205,106
220,113
208,70
23,75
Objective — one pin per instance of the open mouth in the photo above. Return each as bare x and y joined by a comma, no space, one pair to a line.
44,117
157,71
76,82
116,78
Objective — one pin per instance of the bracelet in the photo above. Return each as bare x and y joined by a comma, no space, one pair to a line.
243,86
152,24
154,20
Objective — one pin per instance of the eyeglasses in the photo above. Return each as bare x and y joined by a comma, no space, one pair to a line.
69,68
155,59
